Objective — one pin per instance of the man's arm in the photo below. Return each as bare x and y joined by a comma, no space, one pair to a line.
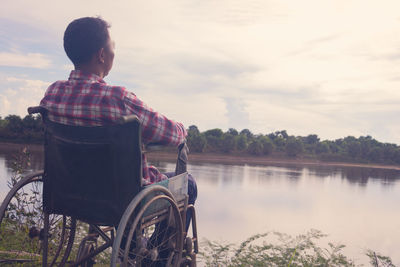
156,128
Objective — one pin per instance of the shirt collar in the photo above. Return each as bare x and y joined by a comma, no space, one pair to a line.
78,75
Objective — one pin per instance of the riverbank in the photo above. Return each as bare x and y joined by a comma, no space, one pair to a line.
220,158
252,160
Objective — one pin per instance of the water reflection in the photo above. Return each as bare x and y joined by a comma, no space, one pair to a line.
357,176
32,160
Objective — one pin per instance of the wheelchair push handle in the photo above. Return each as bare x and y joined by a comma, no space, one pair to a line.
36,109
181,162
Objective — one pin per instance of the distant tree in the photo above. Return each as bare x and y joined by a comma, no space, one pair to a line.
214,139
396,156
294,147
375,154
267,144
2,123
196,141
280,143
312,139
272,136
241,142
214,132
247,133
228,143
233,132
193,130
255,148
32,123
334,147
353,148
389,152
339,143
14,124
282,134
322,147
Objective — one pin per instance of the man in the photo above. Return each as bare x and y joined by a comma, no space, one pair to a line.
85,99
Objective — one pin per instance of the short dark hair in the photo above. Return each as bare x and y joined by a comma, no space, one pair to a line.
84,37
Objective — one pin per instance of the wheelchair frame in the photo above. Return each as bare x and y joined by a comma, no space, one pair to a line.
147,209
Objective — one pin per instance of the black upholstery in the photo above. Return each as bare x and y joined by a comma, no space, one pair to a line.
91,173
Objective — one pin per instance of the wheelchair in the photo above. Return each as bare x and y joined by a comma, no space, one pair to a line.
90,201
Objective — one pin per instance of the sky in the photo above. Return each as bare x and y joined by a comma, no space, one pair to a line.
330,68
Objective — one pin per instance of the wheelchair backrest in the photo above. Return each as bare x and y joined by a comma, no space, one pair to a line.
92,173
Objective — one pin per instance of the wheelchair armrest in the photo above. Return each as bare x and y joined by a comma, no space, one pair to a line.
177,185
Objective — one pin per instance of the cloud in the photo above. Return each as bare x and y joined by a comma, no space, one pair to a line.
19,94
4,105
236,113
68,67
29,60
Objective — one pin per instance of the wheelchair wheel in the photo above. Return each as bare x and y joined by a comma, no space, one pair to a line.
150,232
22,226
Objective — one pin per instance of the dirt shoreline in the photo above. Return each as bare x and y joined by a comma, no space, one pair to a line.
222,158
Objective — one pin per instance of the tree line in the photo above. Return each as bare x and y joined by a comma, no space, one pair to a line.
364,149
13,128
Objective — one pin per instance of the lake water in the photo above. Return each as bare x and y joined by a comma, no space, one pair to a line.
358,207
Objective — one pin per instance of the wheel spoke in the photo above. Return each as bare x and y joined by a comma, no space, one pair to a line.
157,243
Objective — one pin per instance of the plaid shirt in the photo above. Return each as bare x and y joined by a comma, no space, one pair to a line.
86,100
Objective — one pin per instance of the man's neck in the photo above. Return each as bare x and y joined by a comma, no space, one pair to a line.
91,70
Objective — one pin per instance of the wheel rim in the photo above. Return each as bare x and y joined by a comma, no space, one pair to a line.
21,225
156,244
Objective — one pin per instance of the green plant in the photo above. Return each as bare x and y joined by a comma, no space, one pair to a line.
378,260
278,249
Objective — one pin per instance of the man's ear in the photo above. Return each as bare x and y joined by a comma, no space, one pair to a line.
100,55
